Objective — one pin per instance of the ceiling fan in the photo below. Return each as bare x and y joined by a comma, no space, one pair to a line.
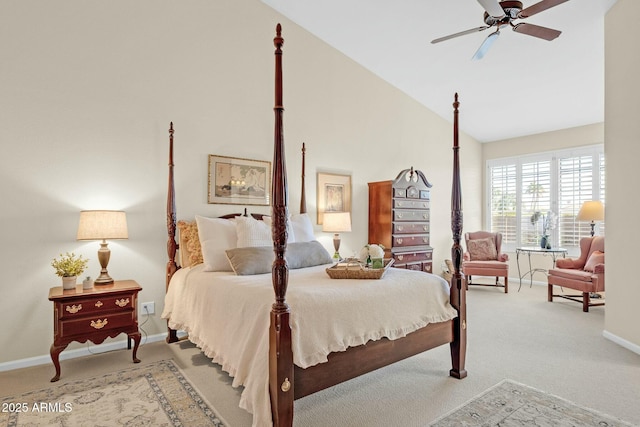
500,14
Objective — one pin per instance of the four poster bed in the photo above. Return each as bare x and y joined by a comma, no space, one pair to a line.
311,337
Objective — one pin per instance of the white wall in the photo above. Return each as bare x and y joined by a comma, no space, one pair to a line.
88,90
622,131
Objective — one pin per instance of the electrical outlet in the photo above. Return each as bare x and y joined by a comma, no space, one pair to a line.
148,307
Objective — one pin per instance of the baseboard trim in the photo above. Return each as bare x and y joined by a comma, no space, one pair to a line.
621,342
79,352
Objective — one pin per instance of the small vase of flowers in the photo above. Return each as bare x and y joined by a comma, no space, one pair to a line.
69,267
371,251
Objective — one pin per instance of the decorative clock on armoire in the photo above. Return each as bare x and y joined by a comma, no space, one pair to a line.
399,219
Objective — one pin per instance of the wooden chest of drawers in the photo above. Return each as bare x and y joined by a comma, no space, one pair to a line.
399,219
93,315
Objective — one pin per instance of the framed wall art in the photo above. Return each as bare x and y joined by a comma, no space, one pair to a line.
334,194
239,181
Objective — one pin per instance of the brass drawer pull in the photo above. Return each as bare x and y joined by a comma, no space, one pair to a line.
399,241
425,228
122,302
99,324
400,228
400,257
73,309
99,304
399,214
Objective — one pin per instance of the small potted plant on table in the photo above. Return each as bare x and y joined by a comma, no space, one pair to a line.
69,267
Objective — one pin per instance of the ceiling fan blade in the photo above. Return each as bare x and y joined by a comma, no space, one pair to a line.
492,7
486,44
539,7
461,33
537,31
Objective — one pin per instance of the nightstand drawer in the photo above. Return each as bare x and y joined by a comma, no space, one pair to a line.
97,324
87,306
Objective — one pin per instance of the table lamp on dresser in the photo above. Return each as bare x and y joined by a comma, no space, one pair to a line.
102,225
336,222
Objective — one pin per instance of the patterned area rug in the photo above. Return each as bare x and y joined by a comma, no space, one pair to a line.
511,404
156,394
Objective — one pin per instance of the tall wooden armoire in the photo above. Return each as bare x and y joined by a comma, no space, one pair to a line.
399,219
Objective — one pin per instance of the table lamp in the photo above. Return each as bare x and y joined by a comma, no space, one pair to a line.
102,225
592,210
336,222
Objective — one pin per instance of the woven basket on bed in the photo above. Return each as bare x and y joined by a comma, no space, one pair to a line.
356,270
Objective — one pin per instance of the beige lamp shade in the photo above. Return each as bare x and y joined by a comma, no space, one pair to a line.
592,210
336,222
102,225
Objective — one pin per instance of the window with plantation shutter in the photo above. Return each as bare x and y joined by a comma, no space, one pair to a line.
535,187
502,182
576,187
526,193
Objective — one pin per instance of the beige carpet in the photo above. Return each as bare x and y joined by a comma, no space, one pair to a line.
512,404
155,394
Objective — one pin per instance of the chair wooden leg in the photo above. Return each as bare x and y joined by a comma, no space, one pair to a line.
550,293
506,285
585,302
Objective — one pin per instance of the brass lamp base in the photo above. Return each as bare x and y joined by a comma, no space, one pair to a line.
103,279
336,246
104,253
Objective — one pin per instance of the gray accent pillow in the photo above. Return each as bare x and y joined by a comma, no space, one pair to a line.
259,260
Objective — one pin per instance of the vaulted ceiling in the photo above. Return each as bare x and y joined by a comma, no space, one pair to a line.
524,85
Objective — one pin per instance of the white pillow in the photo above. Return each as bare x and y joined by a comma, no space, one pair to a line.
216,236
302,228
252,233
291,237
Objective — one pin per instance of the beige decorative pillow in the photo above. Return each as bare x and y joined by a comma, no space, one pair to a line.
190,249
482,249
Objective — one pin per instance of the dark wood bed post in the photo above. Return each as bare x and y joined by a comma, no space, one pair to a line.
171,230
303,196
458,291
280,351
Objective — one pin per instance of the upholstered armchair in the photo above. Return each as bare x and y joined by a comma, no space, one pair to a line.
584,274
483,258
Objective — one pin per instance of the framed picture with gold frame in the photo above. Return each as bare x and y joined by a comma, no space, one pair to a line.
239,181
334,194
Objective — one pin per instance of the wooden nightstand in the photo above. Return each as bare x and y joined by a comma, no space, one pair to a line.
94,314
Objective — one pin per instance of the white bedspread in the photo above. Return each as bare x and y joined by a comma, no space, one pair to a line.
227,316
